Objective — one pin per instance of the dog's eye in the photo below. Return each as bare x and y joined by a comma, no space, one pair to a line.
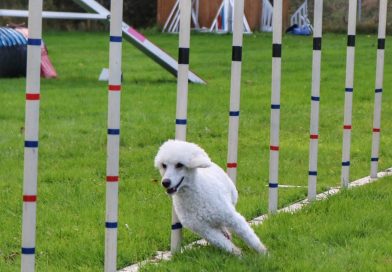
179,165
164,166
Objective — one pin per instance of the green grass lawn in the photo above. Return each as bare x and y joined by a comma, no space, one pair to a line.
349,232
72,153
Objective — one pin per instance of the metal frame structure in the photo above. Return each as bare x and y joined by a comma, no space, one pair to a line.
172,24
226,13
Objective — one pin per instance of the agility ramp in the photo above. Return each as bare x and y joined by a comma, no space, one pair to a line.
99,12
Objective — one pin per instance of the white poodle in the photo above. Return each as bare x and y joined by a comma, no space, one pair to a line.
204,196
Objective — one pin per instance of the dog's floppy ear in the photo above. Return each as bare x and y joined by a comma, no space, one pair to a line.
199,160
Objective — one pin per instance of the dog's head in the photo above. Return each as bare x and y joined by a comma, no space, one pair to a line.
176,161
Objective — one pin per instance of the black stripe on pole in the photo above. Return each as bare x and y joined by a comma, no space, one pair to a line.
381,44
176,226
350,40
183,55
236,53
317,43
276,50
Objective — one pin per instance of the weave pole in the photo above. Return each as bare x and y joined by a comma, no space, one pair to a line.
275,106
348,98
235,89
315,99
382,19
113,142
30,174
182,101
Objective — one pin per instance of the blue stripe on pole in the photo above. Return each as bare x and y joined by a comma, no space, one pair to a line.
111,225
312,173
115,38
31,144
176,226
315,98
28,250
378,90
181,121
113,131
275,106
35,42
346,163
234,113
273,185
374,159
349,90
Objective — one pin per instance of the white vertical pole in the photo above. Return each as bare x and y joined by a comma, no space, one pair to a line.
197,9
315,99
226,15
30,177
235,90
359,10
182,101
348,100
113,142
378,90
275,106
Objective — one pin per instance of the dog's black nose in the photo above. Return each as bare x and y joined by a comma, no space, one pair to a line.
166,183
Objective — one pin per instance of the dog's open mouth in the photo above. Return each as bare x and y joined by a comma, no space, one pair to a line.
175,188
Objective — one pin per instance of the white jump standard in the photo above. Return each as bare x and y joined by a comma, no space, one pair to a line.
378,88
348,98
30,174
235,90
275,106
113,140
315,99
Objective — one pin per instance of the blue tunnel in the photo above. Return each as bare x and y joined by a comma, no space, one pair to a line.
13,53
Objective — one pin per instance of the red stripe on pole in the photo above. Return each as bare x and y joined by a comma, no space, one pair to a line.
231,165
274,148
112,178
314,136
29,198
347,126
114,87
376,130
32,96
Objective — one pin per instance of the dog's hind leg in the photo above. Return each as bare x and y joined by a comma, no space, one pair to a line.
217,238
240,227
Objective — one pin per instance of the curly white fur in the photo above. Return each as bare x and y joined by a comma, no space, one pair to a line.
204,196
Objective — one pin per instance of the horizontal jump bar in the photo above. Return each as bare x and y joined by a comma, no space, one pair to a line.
54,15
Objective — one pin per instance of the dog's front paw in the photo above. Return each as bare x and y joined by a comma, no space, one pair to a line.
236,251
262,249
